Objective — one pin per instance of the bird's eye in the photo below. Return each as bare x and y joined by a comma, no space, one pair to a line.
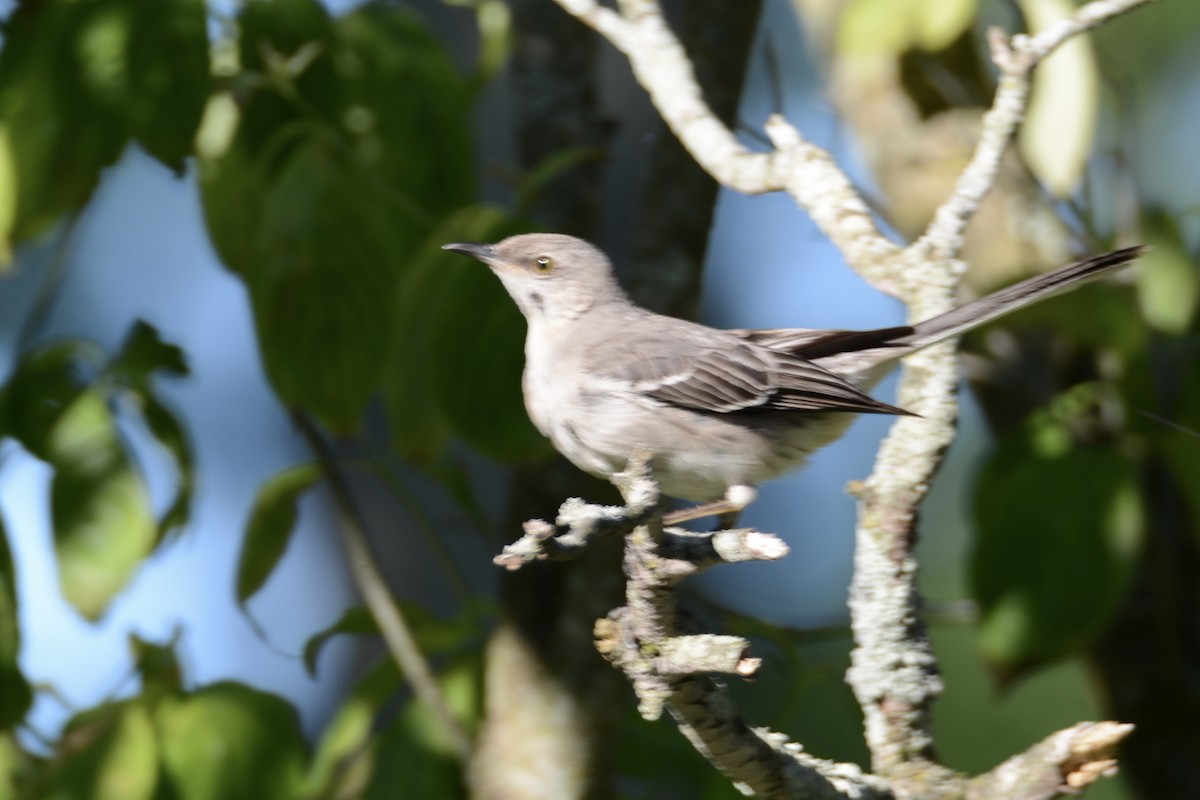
544,264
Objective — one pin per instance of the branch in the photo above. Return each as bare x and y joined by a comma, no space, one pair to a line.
1016,58
669,667
397,633
1064,763
893,671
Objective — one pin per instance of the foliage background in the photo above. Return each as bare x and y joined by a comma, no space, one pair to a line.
265,186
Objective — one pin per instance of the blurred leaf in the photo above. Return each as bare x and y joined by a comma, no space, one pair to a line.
157,664
322,291
937,23
144,353
345,754
108,753
62,103
460,351
42,388
15,697
230,741
412,752
479,355
1056,136
170,434
13,762
269,530
890,27
317,200
103,526
495,37
168,76
1059,527
1168,280
435,635
418,423
356,620
8,200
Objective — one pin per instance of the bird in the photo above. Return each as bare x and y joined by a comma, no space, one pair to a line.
716,411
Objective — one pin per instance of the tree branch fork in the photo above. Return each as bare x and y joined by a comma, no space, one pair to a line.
893,671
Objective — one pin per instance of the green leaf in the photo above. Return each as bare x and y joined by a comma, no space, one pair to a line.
228,740
14,767
890,27
479,355
323,289
42,388
157,664
15,697
460,350
103,525
356,620
434,634
168,76
1168,280
62,102
108,753
412,750
144,353
316,200
269,530
418,423
345,755
1059,526
1060,124
8,199
171,435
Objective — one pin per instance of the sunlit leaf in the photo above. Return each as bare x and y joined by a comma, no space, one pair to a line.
1056,137
937,23
8,200
109,753
1058,531
15,697
1168,278
269,530
62,103
345,755
228,740
42,388
103,525
317,200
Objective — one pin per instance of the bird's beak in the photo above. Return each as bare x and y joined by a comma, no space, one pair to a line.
484,252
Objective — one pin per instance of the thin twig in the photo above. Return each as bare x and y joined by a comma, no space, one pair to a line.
397,633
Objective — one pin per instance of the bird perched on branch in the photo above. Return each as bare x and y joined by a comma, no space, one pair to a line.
718,411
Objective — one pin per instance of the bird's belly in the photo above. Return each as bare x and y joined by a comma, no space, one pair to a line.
694,456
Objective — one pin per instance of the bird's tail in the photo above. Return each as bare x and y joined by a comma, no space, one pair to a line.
1005,301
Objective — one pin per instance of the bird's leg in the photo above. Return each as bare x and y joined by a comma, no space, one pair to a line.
727,508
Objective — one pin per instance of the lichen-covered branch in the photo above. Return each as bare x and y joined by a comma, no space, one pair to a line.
669,667
1063,763
1016,58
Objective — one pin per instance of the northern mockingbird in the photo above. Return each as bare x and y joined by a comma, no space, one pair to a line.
718,411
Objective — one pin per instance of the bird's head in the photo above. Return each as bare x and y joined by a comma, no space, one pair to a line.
550,276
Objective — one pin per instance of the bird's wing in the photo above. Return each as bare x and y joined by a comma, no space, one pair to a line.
713,371
812,344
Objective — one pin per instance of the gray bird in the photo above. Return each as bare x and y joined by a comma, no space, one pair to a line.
719,411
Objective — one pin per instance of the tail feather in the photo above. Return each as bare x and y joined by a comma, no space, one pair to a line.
1005,301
